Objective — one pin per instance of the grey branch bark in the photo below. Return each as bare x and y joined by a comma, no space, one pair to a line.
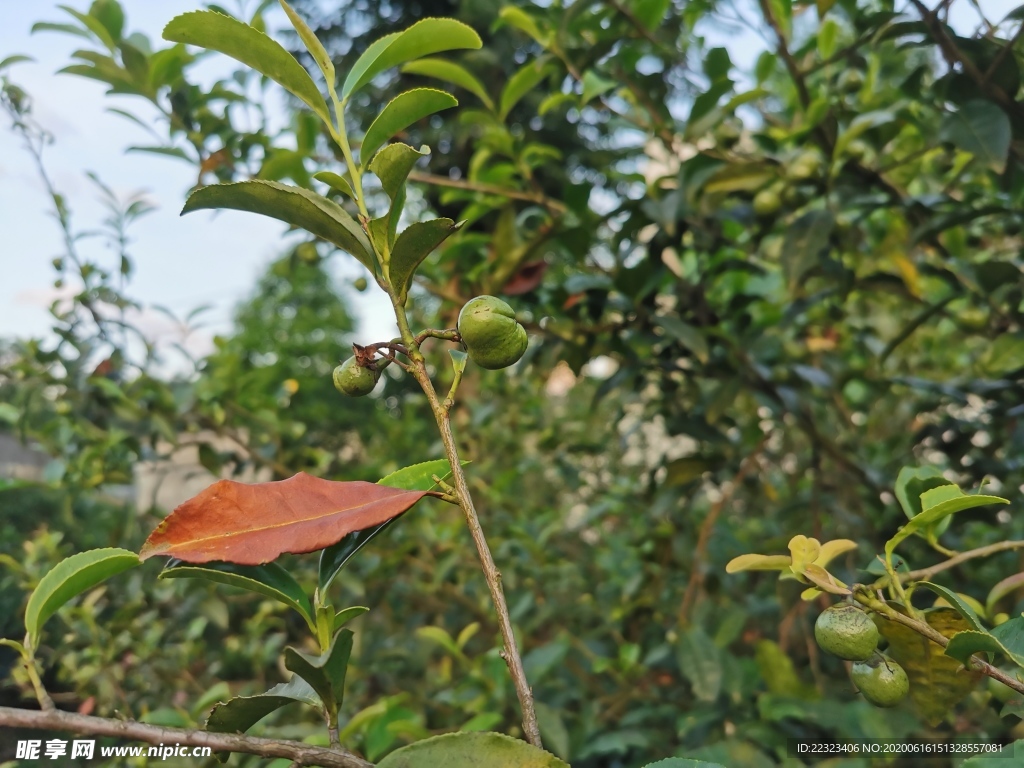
70,722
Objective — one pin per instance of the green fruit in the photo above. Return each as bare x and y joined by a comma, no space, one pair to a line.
307,252
805,166
767,202
847,632
882,681
355,380
360,284
1001,692
850,81
491,334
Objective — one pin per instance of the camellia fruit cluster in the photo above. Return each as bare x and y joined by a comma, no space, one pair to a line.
849,633
493,337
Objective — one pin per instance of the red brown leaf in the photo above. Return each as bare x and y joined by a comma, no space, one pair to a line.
526,279
251,524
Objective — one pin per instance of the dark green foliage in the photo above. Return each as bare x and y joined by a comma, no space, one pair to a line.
869,318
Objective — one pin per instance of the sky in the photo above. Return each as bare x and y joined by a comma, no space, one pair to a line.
204,258
181,263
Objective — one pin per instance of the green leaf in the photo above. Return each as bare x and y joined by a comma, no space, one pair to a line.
686,334
94,25
830,550
70,578
243,712
392,166
380,232
1011,635
700,662
110,14
270,580
423,38
524,22
471,750
650,12
215,31
459,360
312,43
68,29
296,206
859,125
1004,356
441,637
521,83
736,177
912,482
802,247
965,644
177,152
936,513
450,72
937,682
1005,587
594,85
412,247
404,110
778,671
325,673
759,563
803,551
981,128
12,60
828,33
334,557
957,603
418,477
344,616
682,762
9,413
336,182
553,729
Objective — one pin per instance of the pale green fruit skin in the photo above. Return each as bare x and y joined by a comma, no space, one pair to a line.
491,334
847,632
354,380
767,202
1001,693
882,681
804,166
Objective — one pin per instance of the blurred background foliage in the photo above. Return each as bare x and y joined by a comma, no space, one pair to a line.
752,297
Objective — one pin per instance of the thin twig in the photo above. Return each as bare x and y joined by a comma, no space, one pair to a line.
510,653
883,609
787,56
707,528
56,720
1003,53
488,189
923,574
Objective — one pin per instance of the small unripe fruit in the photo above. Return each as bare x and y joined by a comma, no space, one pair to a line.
847,632
355,380
308,253
850,81
999,691
767,202
491,334
805,166
883,682
360,284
